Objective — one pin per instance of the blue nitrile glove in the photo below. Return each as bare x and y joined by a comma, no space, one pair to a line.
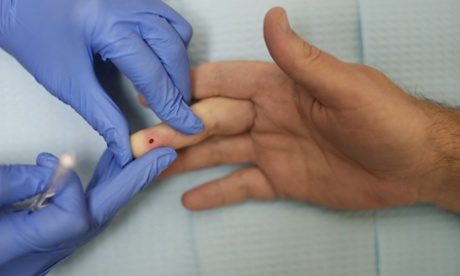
32,243
55,40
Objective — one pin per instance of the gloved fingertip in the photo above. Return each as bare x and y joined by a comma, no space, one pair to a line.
166,159
198,125
193,125
46,159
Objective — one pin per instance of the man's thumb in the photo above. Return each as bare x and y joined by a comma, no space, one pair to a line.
318,71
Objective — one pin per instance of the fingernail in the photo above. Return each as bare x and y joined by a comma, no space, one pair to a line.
283,23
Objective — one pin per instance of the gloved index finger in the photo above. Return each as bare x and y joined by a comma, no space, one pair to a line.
138,62
171,52
99,110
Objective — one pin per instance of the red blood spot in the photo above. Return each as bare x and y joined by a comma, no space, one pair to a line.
151,141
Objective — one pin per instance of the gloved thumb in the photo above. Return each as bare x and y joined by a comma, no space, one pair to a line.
320,73
117,185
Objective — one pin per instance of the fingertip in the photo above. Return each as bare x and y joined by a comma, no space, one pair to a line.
196,126
306,64
192,201
276,32
204,197
148,139
186,121
157,160
278,16
180,24
186,34
192,124
47,160
165,159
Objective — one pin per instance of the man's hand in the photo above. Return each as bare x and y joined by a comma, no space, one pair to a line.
316,129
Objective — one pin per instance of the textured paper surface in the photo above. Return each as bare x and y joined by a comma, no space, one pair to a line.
155,235
416,43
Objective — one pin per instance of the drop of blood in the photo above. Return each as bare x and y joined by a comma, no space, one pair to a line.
151,141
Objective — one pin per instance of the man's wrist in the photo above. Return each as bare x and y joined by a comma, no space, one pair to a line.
444,132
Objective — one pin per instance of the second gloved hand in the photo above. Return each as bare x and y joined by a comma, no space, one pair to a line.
33,243
56,40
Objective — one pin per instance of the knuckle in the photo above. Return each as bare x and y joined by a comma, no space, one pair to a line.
187,33
368,70
272,80
374,75
217,155
218,72
224,197
275,81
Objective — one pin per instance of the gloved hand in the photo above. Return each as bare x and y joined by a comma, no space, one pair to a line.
55,40
32,243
